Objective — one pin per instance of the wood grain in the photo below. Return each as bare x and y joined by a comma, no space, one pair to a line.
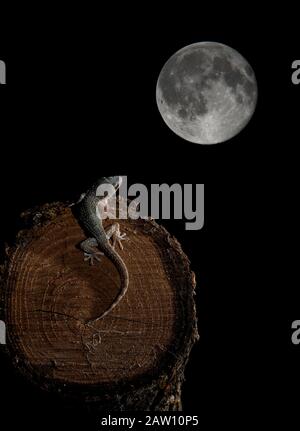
50,293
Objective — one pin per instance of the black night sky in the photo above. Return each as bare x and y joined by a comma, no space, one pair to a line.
80,103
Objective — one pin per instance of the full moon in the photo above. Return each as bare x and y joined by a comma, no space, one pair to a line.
206,92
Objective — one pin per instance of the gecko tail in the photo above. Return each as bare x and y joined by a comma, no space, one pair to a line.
124,277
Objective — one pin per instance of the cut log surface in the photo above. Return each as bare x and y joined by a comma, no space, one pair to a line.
134,357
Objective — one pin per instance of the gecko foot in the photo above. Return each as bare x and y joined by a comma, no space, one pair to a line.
114,233
91,256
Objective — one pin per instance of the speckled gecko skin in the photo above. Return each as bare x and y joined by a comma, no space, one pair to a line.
87,213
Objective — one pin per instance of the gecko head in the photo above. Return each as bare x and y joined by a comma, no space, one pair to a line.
114,181
106,187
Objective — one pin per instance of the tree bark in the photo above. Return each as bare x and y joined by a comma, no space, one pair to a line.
134,358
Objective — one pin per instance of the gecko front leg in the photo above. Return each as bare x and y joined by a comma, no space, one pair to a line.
114,233
89,252
88,245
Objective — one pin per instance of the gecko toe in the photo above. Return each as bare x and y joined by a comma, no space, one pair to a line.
91,257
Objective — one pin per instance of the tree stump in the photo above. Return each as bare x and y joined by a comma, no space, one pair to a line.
134,358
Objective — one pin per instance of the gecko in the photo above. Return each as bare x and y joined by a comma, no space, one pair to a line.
89,217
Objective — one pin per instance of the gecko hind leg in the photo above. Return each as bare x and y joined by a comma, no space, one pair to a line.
89,252
114,233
